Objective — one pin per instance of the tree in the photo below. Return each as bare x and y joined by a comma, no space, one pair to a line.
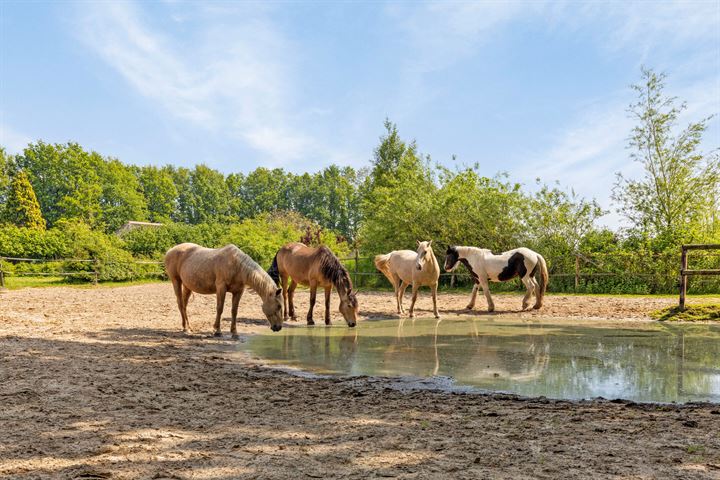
122,198
673,201
22,208
397,196
159,191
65,180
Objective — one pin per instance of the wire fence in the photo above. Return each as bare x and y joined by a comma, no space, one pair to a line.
619,272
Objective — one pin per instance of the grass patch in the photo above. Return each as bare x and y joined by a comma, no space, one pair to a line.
15,283
692,313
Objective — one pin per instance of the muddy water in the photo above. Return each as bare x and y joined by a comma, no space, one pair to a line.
652,362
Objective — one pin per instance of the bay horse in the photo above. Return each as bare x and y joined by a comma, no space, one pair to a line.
192,268
405,267
484,266
313,267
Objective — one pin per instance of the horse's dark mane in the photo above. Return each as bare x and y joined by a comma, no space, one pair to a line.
333,270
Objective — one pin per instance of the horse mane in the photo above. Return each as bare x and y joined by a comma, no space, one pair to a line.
253,274
333,270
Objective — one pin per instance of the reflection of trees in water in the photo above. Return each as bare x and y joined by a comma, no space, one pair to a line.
559,361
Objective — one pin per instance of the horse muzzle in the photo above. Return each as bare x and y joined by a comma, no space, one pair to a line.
351,325
275,328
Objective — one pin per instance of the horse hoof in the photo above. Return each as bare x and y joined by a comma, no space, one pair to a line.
437,316
327,322
310,322
469,307
235,336
537,307
217,334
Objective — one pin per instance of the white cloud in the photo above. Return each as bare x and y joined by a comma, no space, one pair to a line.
230,73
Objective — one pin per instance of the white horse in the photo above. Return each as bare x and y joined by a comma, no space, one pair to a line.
405,267
484,267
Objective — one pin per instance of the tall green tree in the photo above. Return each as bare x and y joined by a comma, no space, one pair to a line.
5,164
22,208
160,192
677,194
397,196
122,198
65,180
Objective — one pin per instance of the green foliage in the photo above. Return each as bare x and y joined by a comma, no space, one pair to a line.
23,242
122,198
691,313
159,191
22,208
677,200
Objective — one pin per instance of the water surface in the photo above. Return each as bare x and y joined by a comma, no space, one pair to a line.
651,362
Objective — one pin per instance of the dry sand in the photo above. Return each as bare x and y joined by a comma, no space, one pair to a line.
101,383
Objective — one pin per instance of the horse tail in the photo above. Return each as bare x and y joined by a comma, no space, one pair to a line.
382,263
543,281
274,271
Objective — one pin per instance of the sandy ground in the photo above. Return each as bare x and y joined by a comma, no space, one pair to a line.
101,383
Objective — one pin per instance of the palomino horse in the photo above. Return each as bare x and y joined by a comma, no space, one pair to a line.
484,266
405,267
313,267
193,268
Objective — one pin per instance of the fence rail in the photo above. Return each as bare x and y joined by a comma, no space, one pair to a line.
578,272
685,272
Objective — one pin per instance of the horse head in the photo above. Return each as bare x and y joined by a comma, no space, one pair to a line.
272,308
424,253
451,258
349,307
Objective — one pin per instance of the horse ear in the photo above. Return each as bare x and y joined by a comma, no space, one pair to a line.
429,243
278,291
418,242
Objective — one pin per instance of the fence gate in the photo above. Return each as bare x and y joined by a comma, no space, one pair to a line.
684,272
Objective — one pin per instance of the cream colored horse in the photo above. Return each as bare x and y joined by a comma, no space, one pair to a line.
193,268
405,267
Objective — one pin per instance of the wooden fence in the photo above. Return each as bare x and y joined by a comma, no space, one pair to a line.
685,273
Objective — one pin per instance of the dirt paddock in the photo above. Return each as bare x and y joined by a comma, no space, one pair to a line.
101,383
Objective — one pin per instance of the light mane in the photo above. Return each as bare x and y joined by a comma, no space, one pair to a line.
465,251
253,275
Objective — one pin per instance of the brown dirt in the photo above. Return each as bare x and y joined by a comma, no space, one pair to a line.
100,383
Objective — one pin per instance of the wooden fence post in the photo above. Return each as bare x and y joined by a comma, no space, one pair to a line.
577,272
683,277
2,275
95,272
356,267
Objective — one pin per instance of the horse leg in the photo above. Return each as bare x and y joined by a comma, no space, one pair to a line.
220,297
328,291
313,295
284,283
434,297
473,297
528,282
291,296
415,288
186,292
400,294
536,290
486,291
177,287
235,302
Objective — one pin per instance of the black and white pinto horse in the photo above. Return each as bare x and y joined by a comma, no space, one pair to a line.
484,267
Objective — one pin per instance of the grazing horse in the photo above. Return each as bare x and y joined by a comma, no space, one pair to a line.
193,268
313,267
405,267
484,266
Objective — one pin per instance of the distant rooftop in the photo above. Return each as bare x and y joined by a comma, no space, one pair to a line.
132,225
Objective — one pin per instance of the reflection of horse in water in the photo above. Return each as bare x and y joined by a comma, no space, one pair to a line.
323,347
483,358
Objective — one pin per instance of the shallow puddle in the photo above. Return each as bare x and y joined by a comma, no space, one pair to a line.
650,362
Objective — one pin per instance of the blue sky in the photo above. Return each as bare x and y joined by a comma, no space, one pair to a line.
536,89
